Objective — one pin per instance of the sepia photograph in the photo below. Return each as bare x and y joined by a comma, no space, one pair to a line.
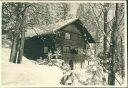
63,44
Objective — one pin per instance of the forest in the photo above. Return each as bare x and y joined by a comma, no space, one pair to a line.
104,21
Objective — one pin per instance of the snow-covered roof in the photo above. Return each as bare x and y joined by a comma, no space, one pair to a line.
39,30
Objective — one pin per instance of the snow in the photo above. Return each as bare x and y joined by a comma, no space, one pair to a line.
34,74
39,29
28,73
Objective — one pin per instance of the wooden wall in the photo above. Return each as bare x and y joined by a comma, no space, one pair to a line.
34,46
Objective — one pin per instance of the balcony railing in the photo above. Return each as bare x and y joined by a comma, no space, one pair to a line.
72,56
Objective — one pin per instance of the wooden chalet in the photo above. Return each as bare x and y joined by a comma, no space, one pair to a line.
69,36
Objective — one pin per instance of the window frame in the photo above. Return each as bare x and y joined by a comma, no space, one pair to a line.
67,36
45,49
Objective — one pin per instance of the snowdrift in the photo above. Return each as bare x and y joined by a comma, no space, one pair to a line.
28,73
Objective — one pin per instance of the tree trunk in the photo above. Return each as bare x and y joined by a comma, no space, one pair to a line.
16,52
111,75
21,39
122,60
105,30
95,46
21,48
15,37
18,43
13,49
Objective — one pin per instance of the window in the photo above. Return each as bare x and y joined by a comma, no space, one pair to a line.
45,49
67,35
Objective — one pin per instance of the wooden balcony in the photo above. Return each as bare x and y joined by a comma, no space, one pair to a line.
68,56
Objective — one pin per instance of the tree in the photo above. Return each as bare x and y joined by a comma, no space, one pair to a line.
111,76
14,19
105,29
65,10
59,11
98,21
19,34
122,59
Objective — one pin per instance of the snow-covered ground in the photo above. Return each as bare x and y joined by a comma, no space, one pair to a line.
28,73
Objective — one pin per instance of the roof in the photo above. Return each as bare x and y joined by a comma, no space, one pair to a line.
38,30
41,30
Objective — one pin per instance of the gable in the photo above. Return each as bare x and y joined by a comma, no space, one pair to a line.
71,28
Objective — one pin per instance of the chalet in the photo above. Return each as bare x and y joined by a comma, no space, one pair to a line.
69,36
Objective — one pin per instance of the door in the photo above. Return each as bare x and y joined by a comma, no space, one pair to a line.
71,64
